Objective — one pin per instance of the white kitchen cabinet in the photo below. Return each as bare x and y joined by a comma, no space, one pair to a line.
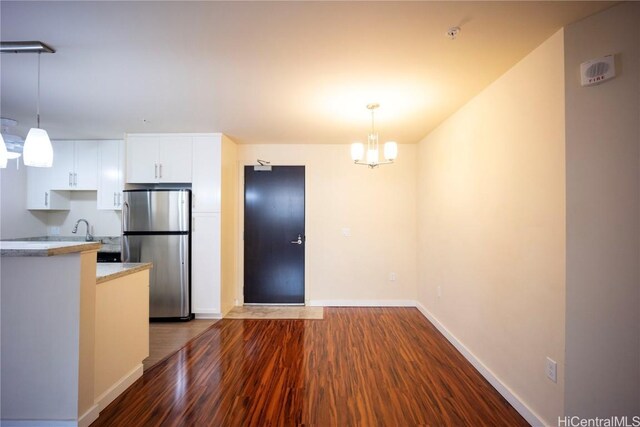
75,165
39,193
205,259
110,174
159,158
207,176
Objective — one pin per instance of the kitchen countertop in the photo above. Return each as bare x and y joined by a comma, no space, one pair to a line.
109,271
44,249
109,243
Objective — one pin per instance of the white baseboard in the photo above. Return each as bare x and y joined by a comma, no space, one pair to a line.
38,423
208,315
363,303
84,421
526,412
118,388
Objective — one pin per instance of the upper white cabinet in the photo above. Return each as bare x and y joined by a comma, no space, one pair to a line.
75,165
110,174
39,193
207,176
159,158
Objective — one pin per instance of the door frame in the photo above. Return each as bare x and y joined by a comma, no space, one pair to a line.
241,189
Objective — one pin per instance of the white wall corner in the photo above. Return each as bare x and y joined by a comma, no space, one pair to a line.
90,416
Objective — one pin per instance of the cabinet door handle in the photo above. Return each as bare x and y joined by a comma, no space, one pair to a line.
119,195
70,180
114,199
160,170
193,201
46,198
156,171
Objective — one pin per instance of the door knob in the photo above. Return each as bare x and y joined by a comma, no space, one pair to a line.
297,242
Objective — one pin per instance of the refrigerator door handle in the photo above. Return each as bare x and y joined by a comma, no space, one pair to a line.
125,212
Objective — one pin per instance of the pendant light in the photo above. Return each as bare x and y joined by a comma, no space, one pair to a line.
372,154
38,151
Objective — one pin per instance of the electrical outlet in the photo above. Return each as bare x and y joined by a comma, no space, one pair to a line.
54,231
439,290
552,370
392,277
346,232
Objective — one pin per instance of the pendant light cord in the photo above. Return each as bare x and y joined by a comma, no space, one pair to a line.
38,96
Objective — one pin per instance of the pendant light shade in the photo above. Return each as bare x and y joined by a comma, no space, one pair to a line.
357,151
3,153
37,150
390,150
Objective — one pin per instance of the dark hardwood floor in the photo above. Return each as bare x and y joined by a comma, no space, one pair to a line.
357,367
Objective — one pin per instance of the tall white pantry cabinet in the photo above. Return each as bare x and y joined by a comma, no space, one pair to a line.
206,188
205,167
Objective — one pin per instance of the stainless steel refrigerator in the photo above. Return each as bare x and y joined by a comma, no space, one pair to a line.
156,228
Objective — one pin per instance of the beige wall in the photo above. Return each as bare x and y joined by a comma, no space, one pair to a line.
229,226
379,208
603,218
15,220
121,332
491,222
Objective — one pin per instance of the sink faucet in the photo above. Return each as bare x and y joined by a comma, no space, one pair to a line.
88,237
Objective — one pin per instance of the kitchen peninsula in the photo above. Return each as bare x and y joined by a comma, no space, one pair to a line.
74,334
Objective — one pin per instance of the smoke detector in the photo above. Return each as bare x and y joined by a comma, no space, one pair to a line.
453,32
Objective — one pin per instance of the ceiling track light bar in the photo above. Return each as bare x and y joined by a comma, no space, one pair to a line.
25,47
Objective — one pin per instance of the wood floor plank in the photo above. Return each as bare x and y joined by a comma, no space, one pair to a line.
357,367
165,338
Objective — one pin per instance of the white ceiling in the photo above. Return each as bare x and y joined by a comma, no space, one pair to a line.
263,72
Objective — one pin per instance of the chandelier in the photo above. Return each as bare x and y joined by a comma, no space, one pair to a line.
372,154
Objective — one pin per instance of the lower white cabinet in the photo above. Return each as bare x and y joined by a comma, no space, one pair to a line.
205,264
39,193
110,174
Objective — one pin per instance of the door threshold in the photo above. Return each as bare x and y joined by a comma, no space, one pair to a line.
295,304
